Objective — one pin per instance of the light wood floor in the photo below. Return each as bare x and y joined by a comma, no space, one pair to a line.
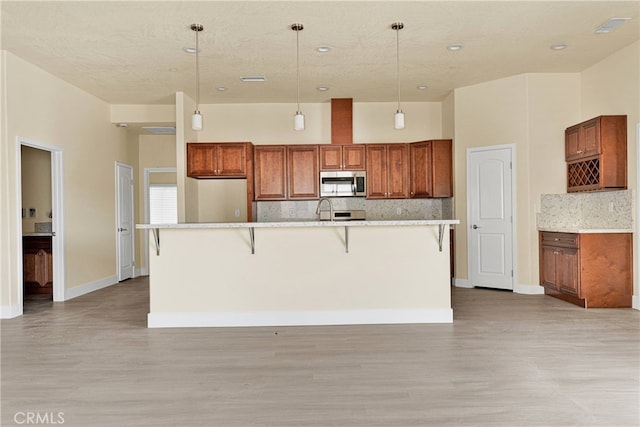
507,360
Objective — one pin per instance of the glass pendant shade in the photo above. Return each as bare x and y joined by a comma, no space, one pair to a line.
398,122
298,121
196,121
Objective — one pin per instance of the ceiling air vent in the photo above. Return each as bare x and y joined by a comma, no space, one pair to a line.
160,130
610,25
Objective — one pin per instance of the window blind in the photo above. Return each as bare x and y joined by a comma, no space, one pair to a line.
163,204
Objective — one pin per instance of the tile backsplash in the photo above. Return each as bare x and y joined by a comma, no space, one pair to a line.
375,209
584,211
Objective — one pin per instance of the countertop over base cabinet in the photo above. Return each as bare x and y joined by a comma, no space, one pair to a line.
588,269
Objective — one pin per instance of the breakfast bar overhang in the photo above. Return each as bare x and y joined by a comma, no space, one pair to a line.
299,273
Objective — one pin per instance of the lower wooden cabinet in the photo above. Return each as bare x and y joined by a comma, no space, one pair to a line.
37,263
588,269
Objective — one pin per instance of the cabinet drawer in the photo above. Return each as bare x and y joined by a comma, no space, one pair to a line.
567,240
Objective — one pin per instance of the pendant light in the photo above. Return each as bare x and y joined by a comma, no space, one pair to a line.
298,118
398,122
196,118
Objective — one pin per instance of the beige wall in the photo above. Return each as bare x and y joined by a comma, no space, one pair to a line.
36,186
612,86
531,112
154,151
45,109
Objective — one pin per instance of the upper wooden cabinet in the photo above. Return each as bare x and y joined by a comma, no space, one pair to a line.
387,171
217,160
270,172
304,176
596,154
431,169
342,157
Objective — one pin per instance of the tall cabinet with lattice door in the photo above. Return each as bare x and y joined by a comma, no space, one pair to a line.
596,154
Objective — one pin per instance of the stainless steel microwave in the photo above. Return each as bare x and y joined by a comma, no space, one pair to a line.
343,184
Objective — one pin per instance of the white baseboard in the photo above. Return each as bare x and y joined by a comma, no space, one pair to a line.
10,311
635,302
297,318
140,272
77,291
462,283
528,289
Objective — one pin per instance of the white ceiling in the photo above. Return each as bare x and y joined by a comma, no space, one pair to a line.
131,52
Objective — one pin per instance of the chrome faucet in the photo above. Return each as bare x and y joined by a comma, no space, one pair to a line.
322,199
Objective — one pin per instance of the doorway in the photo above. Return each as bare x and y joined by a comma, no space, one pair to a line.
124,222
490,213
158,177
50,212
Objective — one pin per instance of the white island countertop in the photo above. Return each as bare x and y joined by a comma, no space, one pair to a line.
301,223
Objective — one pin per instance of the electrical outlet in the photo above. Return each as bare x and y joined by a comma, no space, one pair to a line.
399,211
610,206
292,212
237,213
32,212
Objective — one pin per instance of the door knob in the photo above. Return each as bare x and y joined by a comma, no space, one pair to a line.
475,227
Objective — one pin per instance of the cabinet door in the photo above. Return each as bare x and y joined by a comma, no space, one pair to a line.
270,172
442,168
201,160
590,137
421,179
304,176
353,157
398,171
567,270
376,171
231,160
548,267
571,141
330,157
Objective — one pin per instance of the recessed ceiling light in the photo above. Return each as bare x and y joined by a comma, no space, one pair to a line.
253,78
610,25
122,125
322,88
189,49
173,70
221,88
559,46
454,47
422,87
323,49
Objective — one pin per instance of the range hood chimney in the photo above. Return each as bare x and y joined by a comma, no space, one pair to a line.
342,121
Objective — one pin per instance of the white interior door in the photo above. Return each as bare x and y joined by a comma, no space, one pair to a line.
490,216
124,221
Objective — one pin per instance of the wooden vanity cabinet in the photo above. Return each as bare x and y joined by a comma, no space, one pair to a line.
588,269
342,157
37,264
431,169
596,154
217,160
387,171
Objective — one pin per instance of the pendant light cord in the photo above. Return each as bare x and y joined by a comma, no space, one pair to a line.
298,66
197,72
398,63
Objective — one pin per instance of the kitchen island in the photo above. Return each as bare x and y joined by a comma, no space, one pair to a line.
299,273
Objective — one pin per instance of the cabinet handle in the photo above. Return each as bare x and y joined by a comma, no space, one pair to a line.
556,239
579,151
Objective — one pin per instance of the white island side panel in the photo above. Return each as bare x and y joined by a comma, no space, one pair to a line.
209,277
